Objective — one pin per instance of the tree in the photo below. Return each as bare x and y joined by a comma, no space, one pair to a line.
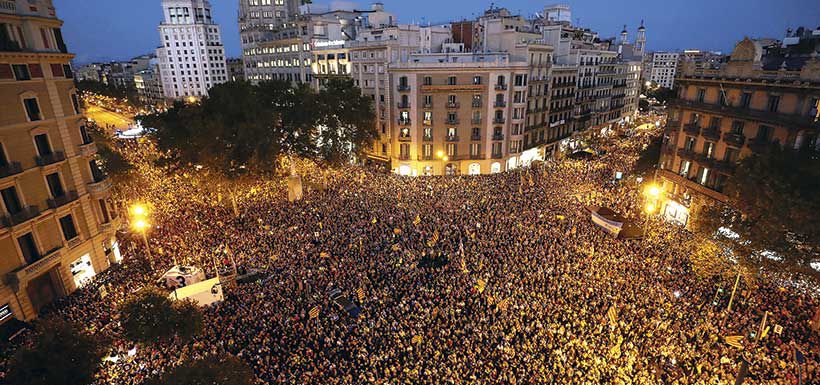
61,354
648,158
208,371
149,315
109,156
772,218
347,121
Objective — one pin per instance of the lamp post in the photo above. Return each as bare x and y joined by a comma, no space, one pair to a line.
444,159
653,194
140,224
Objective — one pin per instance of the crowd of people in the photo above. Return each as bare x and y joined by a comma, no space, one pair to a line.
528,290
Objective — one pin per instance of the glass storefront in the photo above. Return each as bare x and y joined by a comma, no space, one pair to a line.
82,270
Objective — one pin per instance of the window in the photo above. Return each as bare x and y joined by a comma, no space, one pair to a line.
703,175
32,109
451,149
714,123
104,210
86,138
11,200
475,149
477,100
452,132
67,225
701,95
428,81
497,149
774,103
404,150
21,72
476,80
737,127
42,144
476,133
689,143
55,186
746,99
428,133
684,168
452,81
722,98
428,100
29,248
520,80
731,154
75,102
427,150
764,133
709,150
428,117
501,81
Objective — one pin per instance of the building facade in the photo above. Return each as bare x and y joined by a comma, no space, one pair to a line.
236,70
663,69
767,93
57,228
191,55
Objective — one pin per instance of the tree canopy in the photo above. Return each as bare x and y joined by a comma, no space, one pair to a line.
241,128
773,212
61,354
648,158
149,315
208,371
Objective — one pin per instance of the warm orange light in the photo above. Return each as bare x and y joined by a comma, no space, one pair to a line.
650,208
138,210
446,158
440,154
140,225
654,191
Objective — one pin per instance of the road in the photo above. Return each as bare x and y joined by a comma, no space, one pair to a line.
106,118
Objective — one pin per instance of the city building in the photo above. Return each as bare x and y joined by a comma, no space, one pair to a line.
191,57
664,66
57,224
92,72
768,92
236,70
149,85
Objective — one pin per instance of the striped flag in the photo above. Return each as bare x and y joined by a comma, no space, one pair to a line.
464,266
314,313
481,284
417,220
432,242
360,294
612,314
736,341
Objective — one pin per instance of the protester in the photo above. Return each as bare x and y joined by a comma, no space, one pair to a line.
532,291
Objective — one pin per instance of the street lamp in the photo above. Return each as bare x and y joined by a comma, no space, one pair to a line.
650,209
139,222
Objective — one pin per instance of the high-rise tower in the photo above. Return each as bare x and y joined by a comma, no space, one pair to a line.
640,41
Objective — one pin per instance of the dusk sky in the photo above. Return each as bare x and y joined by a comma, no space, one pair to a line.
119,29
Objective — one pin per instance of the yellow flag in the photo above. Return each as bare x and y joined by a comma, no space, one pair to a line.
373,221
417,339
736,341
417,220
481,284
320,226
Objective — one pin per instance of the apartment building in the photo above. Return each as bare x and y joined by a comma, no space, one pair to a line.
664,66
191,54
767,92
236,69
149,85
57,225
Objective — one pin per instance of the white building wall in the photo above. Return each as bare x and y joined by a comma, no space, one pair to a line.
664,67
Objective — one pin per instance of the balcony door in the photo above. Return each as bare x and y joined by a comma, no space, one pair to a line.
55,186
11,200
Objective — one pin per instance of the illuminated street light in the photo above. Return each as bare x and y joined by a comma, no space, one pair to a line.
440,154
138,210
654,191
140,224
650,209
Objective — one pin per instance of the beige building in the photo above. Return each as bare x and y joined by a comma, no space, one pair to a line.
768,92
57,227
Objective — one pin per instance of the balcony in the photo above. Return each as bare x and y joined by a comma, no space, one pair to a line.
12,168
475,121
44,263
498,136
476,104
475,137
497,155
427,138
734,139
451,138
453,105
100,186
691,129
724,166
427,105
476,156
500,104
794,121
62,200
405,138
88,149
452,121
425,157
427,122
48,159
500,87
403,88
404,106
26,214
500,120
759,145
686,153
404,156
711,133
404,122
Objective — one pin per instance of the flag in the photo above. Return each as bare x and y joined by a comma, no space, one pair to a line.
778,329
417,339
480,285
314,313
612,314
360,294
502,305
417,220
374,221
324,254
433,240
464,266
320,226
736,341
765,332
799,357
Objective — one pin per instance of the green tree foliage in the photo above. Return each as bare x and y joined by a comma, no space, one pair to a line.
61,354
109,156
149,315
243,129
208,371
649,157
774,210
